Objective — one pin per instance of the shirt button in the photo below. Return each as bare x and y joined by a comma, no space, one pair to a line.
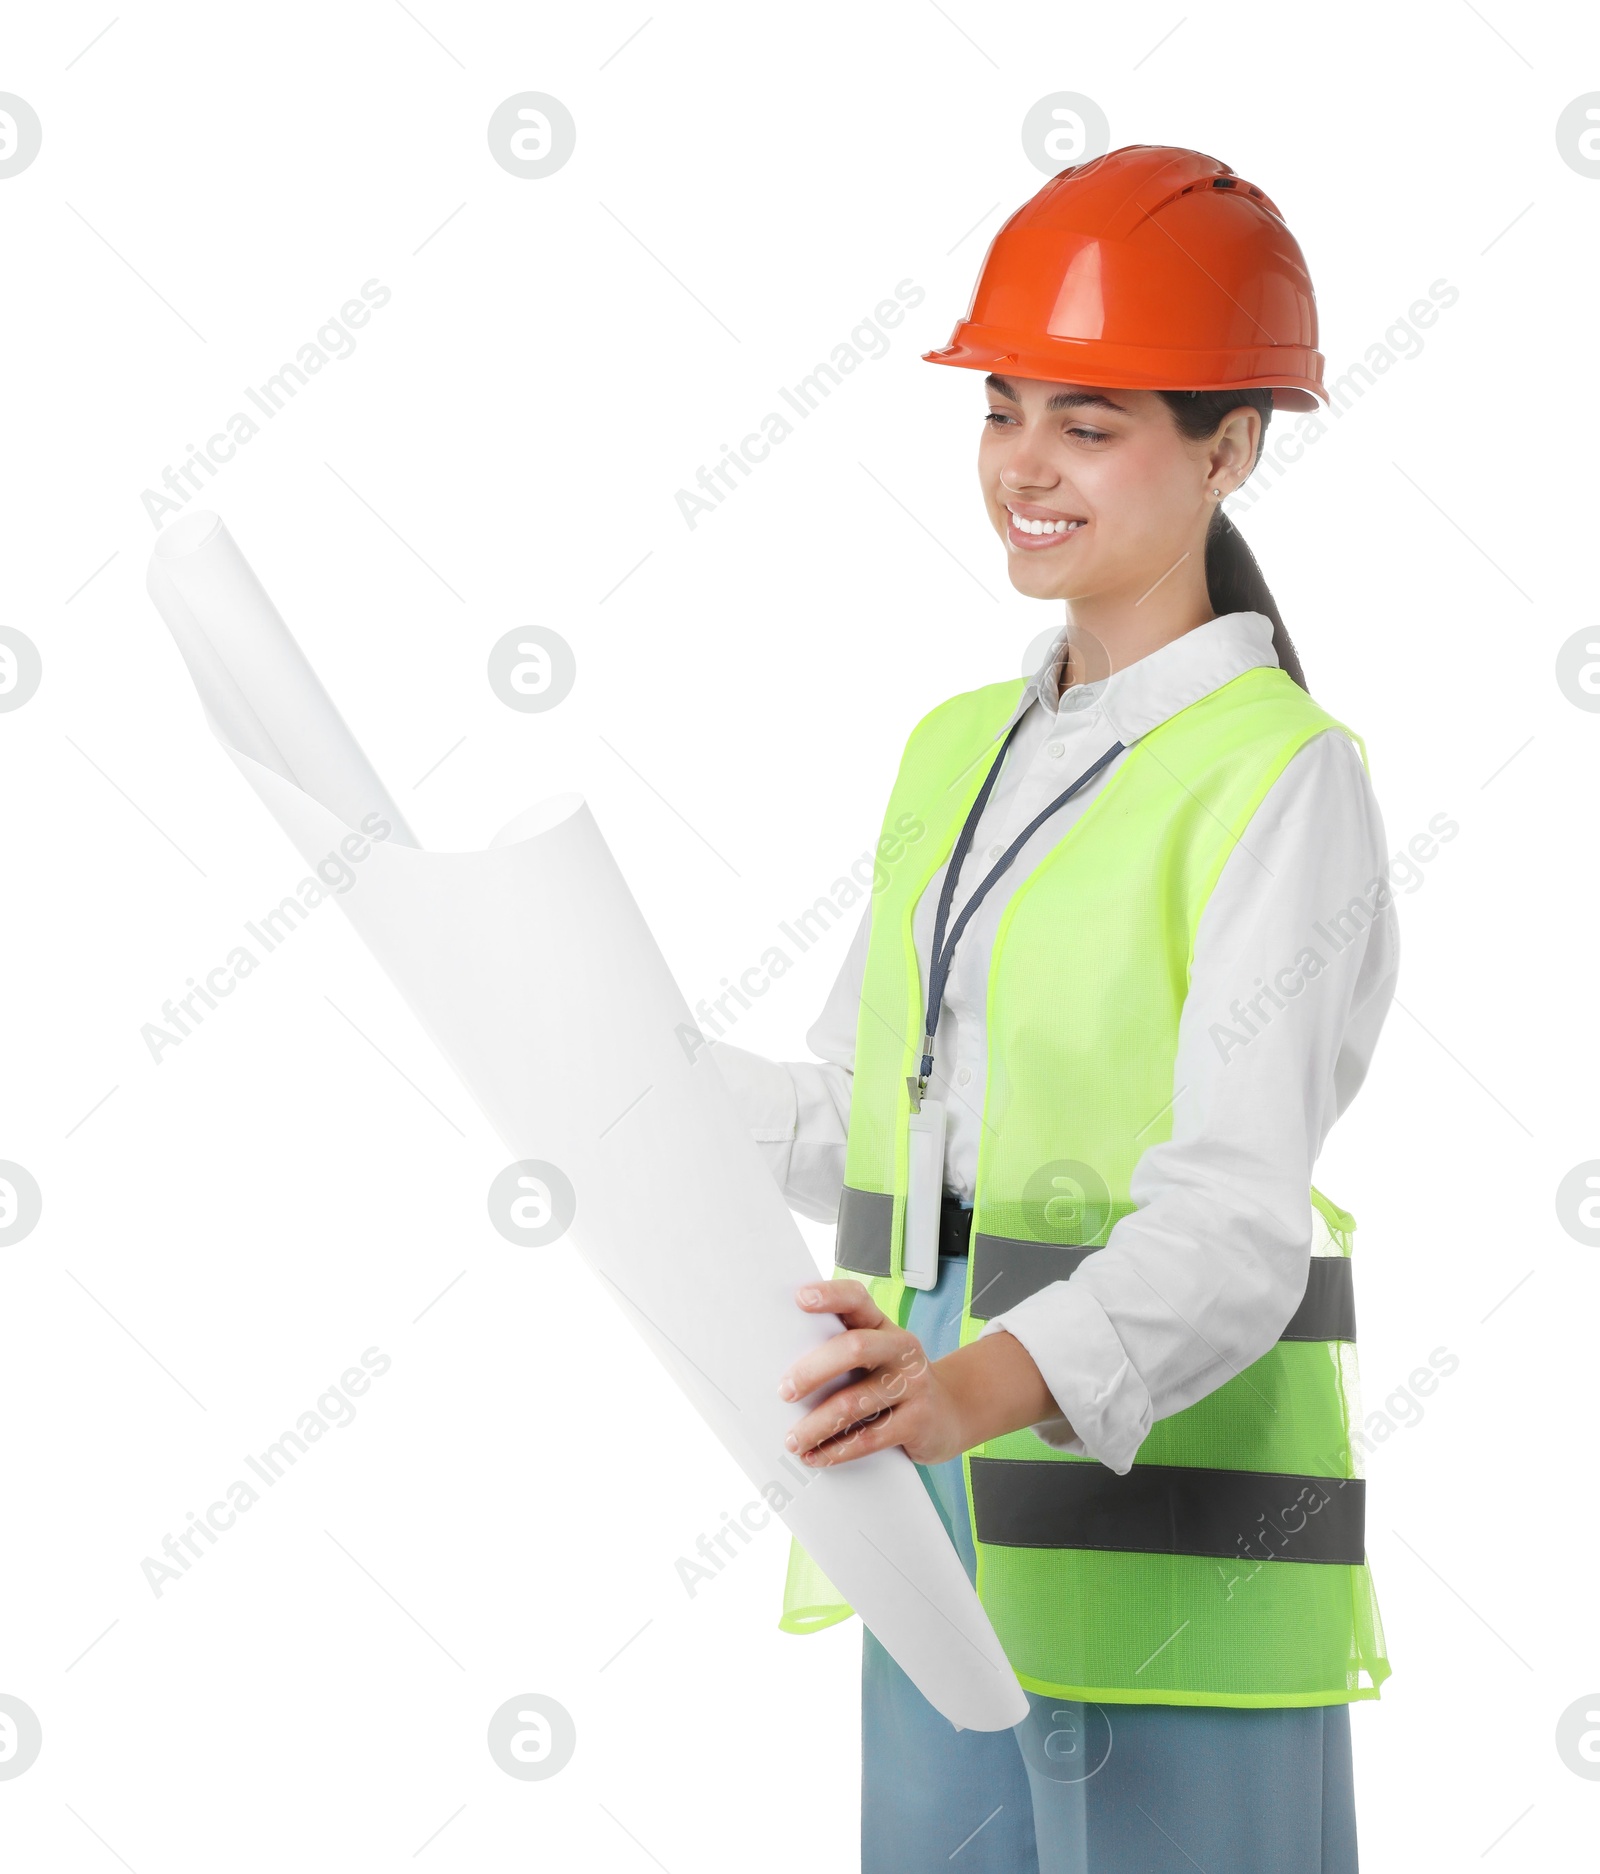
995,851
1054,750
964,1076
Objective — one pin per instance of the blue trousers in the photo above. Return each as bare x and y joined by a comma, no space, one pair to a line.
1078,1788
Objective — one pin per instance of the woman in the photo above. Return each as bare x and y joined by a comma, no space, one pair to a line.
1128,952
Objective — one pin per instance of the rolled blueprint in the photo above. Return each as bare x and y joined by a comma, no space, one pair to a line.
533,969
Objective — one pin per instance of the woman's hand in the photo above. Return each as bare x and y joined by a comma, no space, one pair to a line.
935,1408
901,1399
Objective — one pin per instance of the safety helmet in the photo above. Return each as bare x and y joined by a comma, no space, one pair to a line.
1148,268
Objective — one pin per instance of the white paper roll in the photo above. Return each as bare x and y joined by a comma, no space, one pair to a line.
260,691
533,969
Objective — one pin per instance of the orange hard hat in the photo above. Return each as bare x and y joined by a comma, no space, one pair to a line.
1148,268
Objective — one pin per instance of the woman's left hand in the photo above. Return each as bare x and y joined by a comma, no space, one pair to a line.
901,1398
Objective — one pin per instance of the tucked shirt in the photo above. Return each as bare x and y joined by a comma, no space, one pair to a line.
1294,968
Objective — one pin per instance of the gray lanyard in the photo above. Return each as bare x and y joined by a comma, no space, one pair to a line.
943,951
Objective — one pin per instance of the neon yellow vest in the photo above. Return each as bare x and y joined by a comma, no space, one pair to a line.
1228,1567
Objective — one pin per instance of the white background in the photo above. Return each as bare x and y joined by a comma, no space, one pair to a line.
225,1232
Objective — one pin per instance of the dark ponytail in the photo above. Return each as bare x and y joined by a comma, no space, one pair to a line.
1234,582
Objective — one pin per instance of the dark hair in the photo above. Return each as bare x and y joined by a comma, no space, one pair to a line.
1234,581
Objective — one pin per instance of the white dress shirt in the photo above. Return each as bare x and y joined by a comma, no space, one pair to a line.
1203,1275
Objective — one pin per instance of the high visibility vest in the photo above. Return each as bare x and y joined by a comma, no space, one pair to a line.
1228,1566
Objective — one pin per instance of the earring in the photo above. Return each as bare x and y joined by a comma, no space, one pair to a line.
1216,491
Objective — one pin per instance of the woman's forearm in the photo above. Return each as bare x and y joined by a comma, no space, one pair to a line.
997,1388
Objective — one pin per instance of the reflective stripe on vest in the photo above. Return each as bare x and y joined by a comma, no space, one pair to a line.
1006,1270
1170,1509
865,1231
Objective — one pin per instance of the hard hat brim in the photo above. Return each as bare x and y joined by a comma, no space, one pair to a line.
1293,373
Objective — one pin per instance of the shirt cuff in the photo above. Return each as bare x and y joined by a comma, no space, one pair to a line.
763,1091
798,1114
1105,1406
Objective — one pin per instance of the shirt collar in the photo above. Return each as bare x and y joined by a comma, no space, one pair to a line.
1142,695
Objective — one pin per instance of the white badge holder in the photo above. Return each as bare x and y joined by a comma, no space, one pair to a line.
919,1258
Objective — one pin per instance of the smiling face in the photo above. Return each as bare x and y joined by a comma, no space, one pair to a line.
1096,494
